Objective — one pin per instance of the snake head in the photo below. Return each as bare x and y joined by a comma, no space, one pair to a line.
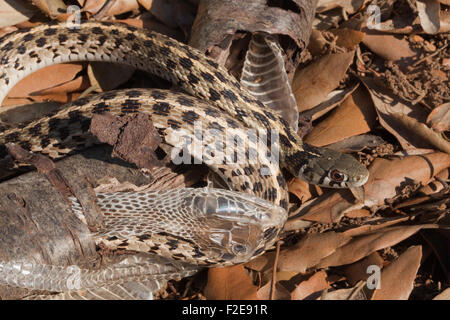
238,226
328,168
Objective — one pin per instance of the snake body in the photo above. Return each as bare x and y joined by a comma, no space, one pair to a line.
226,105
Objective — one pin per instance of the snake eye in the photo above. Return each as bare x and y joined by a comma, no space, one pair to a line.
239,249
337,176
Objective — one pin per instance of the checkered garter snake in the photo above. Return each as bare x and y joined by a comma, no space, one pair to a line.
217,100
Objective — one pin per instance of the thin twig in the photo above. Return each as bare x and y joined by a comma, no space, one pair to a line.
274,274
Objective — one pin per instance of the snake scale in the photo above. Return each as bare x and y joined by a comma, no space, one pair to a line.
218,101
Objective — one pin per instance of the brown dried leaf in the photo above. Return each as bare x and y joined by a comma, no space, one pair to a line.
357,271
310,250
262,263
350,6
230,283
14,12
353,117
300,188
435,185
386,176
280,292
327,208
423,132
359,213
444,295
386,103
429,15
116,7
316,283
397,279
348,38
317,43
362,246
439,118
103,75
46,78
312,84
333,99
55,82
146,3
354,293
389,47
51,8
374,225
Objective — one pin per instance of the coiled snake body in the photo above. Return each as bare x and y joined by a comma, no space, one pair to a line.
221,104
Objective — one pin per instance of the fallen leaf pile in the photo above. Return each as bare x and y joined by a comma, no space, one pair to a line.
368,77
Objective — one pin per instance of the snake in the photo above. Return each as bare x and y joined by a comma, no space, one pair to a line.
211,96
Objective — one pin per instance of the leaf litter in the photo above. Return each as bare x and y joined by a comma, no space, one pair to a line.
382,89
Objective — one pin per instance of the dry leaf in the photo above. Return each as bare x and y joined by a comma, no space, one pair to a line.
397,279
14,12
423,132
327,208
317,43
146,3
348,38
300,188
333,99
316,283
103,75
354,116
117,7
355,293
373,225
357,271
386,104
444,295
312,84
58,82
435,185
439,118
51,8
310,250
280,292
429,15
350,6
389,47
386,176
362,246
230,283
359,213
